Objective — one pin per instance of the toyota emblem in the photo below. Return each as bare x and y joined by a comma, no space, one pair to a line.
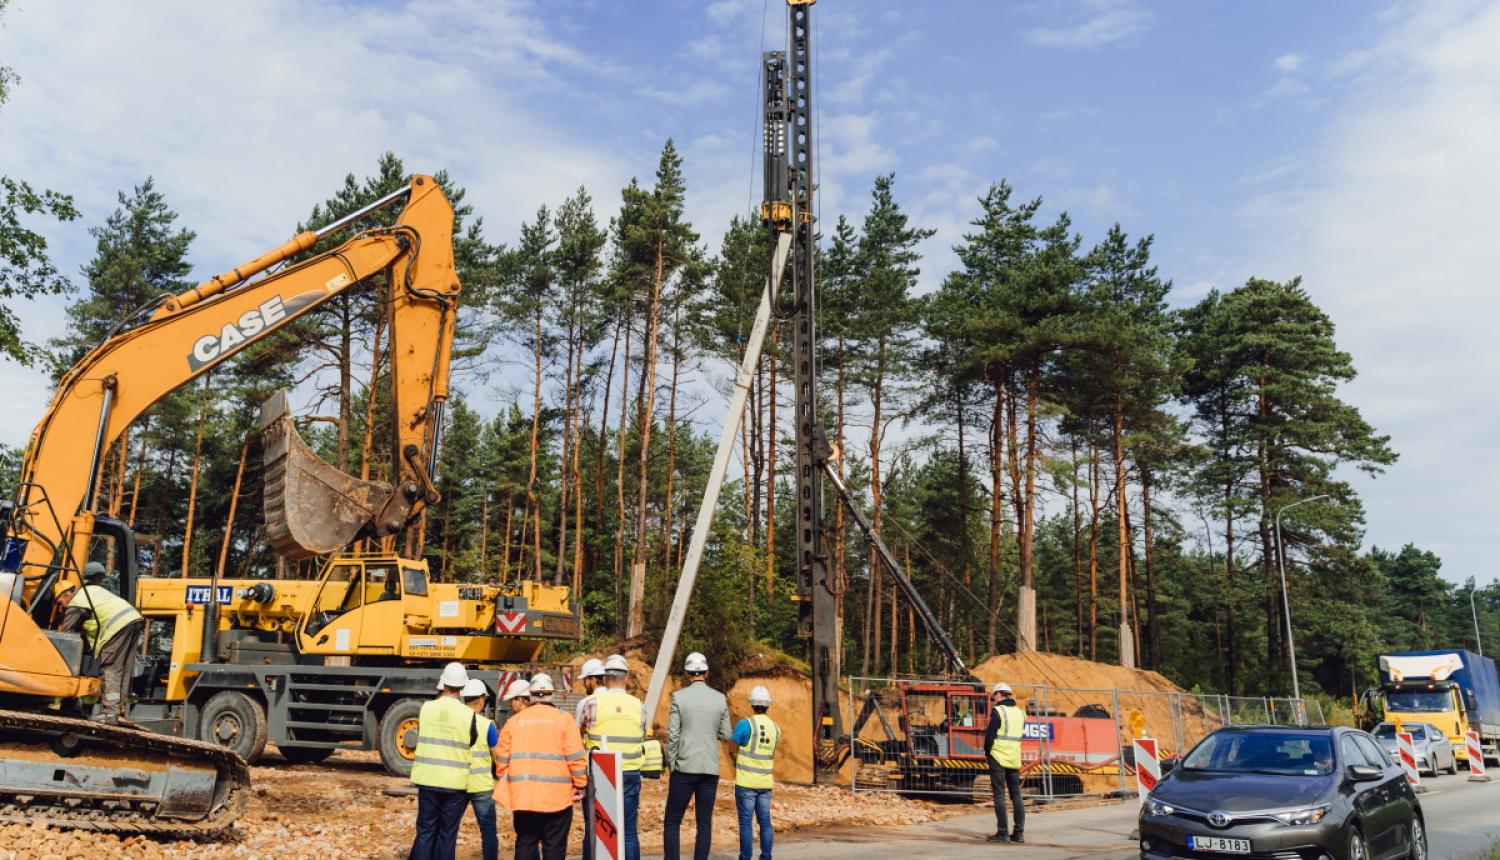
1218,819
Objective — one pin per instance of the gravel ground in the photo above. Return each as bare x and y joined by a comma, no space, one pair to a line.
339,809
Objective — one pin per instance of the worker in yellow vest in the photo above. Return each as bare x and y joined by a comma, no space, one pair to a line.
757,736
619,726
1002,739
481,785
111,629
446,735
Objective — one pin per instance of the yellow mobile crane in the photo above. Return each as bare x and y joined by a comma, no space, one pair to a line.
77,772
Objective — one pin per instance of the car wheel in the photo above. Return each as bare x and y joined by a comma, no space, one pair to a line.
1417,850
1355,849
1452,765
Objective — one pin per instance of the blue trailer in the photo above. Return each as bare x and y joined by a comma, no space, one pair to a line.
1454,689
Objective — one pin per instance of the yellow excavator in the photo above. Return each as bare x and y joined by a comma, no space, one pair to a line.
72,771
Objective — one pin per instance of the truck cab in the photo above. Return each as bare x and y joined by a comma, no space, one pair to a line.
1457,691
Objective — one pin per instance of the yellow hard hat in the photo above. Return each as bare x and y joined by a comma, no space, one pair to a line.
63,587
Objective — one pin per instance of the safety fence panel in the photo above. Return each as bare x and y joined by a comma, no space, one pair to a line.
926,737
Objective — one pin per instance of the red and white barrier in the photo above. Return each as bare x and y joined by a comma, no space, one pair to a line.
607,780
1406,752
1476,757
1147,767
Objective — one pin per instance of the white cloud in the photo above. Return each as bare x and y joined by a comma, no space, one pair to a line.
1286,88
248,114
850,147
697,93
1094,23
1288,62
1391,222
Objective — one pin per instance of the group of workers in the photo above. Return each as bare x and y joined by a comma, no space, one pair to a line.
536,764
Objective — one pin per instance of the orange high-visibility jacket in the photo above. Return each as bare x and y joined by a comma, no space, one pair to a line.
540,760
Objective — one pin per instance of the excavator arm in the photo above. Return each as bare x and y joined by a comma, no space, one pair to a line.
165,346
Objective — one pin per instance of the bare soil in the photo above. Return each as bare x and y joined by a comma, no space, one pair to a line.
339,809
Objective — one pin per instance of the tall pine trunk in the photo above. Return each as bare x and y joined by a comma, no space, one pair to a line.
1127,639
645,410
533,499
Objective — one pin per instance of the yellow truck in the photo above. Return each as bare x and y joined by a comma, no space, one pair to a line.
343,661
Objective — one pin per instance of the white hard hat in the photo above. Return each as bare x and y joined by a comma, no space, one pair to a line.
695,662
454,675
517,690
616,663
760,697
473,688
593,667
1000,687
541,682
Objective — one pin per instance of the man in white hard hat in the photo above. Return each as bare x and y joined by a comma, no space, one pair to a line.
481,785
591,675
517,695
757,736
699,720
619,725
1002,743
446,734
542,773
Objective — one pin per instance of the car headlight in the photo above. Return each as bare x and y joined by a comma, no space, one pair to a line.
1159,809
1299,817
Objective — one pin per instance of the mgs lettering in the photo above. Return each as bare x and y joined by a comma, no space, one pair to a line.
250,323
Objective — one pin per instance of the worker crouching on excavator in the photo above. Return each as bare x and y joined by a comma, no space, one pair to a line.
112,629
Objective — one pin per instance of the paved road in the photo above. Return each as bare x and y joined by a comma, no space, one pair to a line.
1463,817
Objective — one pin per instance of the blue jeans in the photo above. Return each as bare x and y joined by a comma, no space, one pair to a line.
439,813
632,814
484,814
754,802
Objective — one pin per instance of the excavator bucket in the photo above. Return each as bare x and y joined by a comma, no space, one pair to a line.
311,507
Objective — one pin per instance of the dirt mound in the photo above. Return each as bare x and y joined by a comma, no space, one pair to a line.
1061,670
1147,702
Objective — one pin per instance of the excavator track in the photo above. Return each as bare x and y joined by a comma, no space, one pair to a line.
116,779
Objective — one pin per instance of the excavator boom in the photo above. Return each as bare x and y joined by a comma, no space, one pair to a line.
190,333
81,773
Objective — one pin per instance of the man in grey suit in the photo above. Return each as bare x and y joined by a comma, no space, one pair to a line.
698,721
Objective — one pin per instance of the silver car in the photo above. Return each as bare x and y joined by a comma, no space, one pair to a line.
1434,752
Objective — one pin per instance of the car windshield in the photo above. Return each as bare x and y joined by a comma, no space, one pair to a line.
1282,753
1413,701
1387,732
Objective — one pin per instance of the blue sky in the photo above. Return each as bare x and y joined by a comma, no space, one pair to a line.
1348,143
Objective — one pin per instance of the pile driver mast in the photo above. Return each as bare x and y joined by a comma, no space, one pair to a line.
788,209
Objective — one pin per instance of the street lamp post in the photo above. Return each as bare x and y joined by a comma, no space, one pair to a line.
1291,648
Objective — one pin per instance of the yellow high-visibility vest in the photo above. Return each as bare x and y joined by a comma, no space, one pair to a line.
651,759
617,726
108,614
482,763
754,762
443,746
1006,748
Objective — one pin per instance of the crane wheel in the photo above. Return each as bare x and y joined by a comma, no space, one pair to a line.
398,736
234,720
